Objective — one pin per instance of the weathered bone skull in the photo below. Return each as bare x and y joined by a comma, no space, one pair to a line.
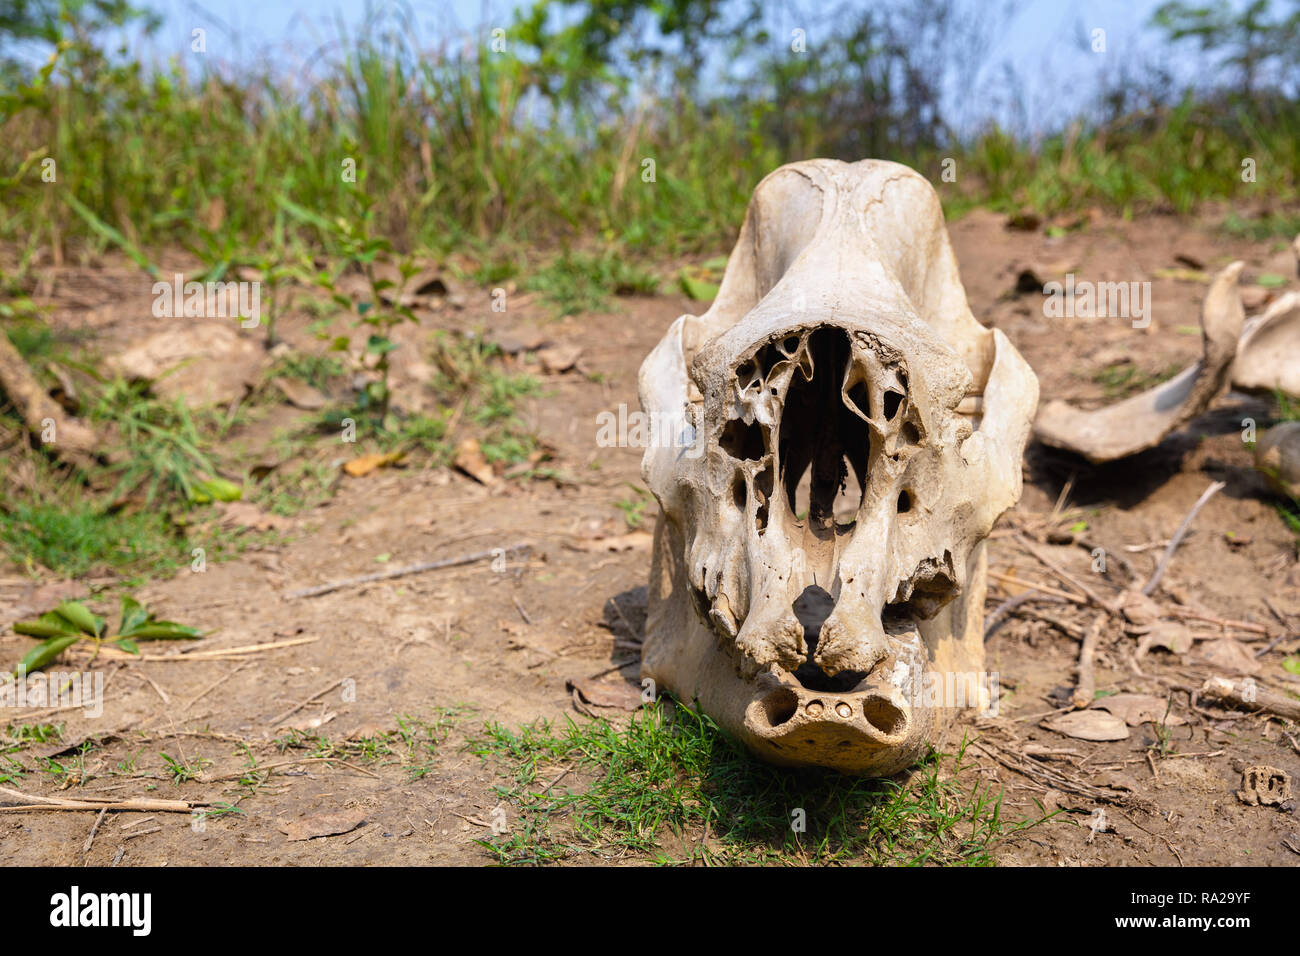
818,569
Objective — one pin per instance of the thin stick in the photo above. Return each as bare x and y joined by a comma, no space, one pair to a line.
995,620
1221,621
1066,576
300,705
152,683
215,684
409,569
522,613
135,803
1045,588
229,651
626,623
1181,533
90,840
616,667
1086,688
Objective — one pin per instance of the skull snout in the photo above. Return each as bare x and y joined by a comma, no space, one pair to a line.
801,726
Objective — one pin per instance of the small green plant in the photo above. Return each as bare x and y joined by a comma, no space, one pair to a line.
72,622
575,282
1124,379
633,507
382,310
184,770
163,448
471,384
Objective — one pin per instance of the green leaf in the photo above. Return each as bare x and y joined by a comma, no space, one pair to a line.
1291,665
1270,280
80,617
42,654
341,343
1079,527
379,345
166,631
698,289
215,489
133,615
128,645
364,307
47,625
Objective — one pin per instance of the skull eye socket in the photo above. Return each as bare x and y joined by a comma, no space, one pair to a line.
904,502
893,402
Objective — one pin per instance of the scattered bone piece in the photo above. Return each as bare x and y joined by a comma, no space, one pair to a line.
1266,354
1142,421
1247,695
1277,453
1264,786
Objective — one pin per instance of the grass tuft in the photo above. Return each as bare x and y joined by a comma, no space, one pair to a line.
654,786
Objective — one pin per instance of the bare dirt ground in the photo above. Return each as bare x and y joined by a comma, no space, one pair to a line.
456,647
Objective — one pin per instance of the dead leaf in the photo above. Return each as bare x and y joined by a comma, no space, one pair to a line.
1169,635
621,695
471,460
299,394
559,358
1229,656
360,467
631,541
1137,709
1089,725
526,338
245,514
324,824
311,723
1138,608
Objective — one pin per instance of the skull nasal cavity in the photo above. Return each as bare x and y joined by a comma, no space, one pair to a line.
819,433
812,608
742,441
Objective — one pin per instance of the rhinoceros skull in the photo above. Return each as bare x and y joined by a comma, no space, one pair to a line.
818,569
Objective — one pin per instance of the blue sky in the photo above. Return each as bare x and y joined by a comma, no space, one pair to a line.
1042,40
